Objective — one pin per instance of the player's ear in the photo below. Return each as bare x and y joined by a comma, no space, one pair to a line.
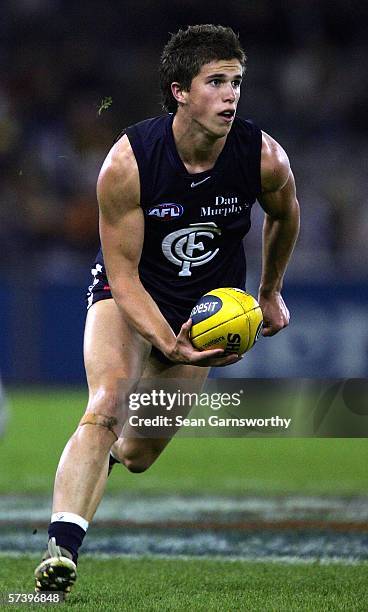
179,93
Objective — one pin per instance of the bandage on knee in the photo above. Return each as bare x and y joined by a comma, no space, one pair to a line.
91,418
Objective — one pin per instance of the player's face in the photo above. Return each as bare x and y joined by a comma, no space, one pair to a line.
213,96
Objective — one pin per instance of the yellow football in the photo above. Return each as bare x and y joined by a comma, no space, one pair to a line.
226,318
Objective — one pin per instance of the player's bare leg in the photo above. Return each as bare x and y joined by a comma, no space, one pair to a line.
114,358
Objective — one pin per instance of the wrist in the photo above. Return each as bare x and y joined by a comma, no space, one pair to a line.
267,292
167,349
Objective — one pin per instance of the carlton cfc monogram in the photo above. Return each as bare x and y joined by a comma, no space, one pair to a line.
180,246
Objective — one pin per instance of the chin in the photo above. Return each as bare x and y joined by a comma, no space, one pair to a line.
222,131
215,130
218,131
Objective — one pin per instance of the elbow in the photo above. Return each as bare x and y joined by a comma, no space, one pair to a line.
123,289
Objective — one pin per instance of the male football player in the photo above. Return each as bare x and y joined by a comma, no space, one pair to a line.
175,195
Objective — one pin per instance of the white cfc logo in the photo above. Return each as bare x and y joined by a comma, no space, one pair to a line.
179,247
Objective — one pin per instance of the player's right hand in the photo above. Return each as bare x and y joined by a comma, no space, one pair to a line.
185,353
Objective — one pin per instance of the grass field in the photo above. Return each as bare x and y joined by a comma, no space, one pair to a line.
40,424
42,421
198,586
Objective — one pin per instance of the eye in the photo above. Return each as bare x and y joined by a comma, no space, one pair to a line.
236,83
216,82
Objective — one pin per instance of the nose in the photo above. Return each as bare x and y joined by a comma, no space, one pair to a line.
229,93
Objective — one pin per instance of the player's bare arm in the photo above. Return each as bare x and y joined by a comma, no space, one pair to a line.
280,231
122,234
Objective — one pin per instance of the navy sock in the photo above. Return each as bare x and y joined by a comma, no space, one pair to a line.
112,460
67,535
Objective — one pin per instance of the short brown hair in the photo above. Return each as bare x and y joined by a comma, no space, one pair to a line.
188,50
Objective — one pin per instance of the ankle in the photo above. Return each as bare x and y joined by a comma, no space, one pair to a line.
69,530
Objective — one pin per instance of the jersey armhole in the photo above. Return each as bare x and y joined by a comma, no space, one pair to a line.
255,160
141,159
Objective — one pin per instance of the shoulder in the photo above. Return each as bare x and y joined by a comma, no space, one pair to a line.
120,162
275,165
119,177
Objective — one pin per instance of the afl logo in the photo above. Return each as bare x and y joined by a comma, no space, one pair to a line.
167,212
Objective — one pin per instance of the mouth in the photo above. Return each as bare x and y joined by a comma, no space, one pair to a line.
227,115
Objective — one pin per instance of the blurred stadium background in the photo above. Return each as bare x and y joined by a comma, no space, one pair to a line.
307,85
72,76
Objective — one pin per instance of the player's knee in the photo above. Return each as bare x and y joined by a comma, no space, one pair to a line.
105,409
106,400
139,462
136,466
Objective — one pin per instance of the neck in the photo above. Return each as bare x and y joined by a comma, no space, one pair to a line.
197,148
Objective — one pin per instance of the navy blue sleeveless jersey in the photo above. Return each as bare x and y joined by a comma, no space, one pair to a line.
194,223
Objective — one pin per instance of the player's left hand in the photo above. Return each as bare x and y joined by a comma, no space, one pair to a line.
276,315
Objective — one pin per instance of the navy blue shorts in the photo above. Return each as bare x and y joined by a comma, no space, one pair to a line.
100,290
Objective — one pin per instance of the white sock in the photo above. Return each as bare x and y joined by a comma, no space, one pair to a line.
69,517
